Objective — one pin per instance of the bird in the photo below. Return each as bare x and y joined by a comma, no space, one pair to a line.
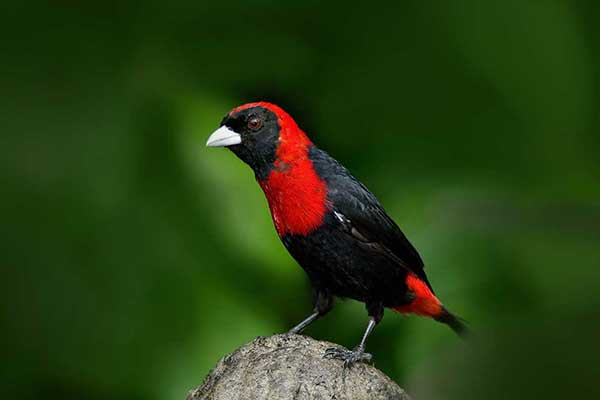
331,224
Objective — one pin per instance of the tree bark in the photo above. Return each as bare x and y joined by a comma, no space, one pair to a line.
292,367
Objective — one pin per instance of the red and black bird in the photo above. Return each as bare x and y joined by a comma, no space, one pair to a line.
330,223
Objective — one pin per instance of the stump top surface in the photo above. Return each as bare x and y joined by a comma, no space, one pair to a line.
292,366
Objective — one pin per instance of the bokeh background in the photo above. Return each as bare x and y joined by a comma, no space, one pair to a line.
133,257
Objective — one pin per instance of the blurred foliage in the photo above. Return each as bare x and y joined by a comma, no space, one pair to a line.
133,257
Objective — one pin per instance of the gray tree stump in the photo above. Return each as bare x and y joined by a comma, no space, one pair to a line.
292,367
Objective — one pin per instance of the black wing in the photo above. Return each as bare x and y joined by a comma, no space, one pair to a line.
357,208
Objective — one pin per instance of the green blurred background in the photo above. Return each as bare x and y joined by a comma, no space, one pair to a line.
133,257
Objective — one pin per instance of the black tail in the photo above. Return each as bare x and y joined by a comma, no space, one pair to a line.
457,324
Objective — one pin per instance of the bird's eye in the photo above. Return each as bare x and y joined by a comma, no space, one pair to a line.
254,123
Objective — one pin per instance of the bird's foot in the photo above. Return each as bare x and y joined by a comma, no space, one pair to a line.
348,357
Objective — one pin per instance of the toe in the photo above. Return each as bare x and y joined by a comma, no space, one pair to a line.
333,353
366,357
348,357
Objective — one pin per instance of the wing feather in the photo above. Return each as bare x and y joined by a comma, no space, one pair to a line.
355,206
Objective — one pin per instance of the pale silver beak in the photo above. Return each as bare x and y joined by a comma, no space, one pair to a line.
223,137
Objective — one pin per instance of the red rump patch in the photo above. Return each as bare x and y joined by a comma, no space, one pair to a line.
297,196
425,302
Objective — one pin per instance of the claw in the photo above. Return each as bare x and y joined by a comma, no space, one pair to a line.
349,357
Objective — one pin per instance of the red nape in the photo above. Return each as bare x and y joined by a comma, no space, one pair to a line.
425,302
297,196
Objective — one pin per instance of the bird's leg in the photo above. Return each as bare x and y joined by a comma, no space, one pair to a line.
358,354
323,304
306,322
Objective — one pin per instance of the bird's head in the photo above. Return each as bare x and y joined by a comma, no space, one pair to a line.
262,135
